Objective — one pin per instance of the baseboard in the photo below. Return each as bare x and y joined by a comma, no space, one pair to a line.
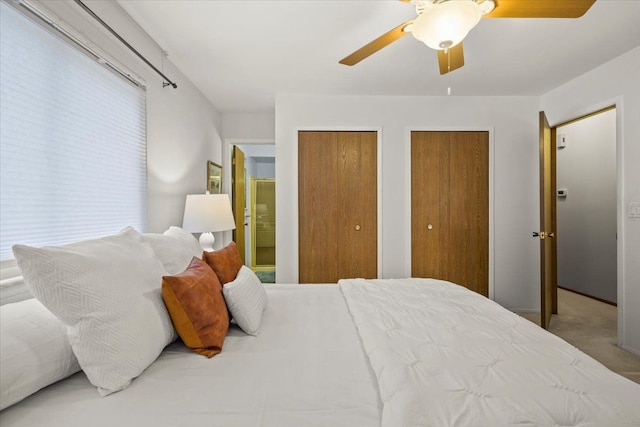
588,296
631,350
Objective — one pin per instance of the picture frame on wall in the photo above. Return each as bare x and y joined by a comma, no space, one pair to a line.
214,178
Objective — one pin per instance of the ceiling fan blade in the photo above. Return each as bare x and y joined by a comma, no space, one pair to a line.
451,60
540,9
371,48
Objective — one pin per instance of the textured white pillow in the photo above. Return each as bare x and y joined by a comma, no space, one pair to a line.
34,350
246,300
107,291
175,248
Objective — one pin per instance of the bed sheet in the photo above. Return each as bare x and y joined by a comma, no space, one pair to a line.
306,368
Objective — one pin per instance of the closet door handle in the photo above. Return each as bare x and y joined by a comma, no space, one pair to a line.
430,227
357,227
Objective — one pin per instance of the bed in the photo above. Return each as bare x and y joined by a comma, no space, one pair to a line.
403,352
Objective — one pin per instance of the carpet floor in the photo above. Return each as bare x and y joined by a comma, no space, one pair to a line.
266,276
591,326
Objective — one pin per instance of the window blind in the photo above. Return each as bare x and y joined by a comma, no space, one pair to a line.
72,141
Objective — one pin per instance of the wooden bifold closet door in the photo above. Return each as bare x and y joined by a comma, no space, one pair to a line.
450,207
337,205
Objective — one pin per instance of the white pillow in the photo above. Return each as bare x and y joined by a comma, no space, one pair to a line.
34,350
107,291
246,300
175,247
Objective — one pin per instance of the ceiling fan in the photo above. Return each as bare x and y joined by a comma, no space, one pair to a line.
442,24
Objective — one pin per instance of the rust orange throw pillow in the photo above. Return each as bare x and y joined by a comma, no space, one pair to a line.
196,305
226,262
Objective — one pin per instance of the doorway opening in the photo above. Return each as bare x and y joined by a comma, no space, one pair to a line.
586,176
584,218
253,194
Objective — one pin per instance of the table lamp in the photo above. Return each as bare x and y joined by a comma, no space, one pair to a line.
208,213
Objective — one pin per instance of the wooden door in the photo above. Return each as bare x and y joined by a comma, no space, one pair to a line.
337,206
317,207
430,204
238,196
548,246
450,207
357,205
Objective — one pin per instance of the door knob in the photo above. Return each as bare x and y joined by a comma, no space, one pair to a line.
430,226
357,227
543,235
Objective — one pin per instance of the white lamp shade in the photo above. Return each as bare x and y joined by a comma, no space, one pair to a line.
444,25
208,213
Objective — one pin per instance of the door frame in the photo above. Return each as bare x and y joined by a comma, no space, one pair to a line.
407,191
294,188
227,155
566,117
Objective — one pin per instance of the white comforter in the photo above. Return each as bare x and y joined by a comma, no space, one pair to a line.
445,356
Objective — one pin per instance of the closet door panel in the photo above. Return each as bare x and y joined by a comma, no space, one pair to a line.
357,204
430,249
317,207
469,210
450,207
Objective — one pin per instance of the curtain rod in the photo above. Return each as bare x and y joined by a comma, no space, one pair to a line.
54,23
112,31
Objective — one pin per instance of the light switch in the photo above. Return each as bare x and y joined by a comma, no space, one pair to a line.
561,140
634,210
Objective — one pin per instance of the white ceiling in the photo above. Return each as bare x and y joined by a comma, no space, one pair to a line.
240,54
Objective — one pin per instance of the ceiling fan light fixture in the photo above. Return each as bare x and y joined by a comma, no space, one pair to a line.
487,6
444,25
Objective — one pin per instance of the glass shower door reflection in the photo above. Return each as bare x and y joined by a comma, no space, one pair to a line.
263,220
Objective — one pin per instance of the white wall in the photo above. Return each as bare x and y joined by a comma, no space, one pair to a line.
586,234
248,126
183,128
265,167
182,136
615,82
514,126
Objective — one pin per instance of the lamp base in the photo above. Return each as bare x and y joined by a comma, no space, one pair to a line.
206,241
